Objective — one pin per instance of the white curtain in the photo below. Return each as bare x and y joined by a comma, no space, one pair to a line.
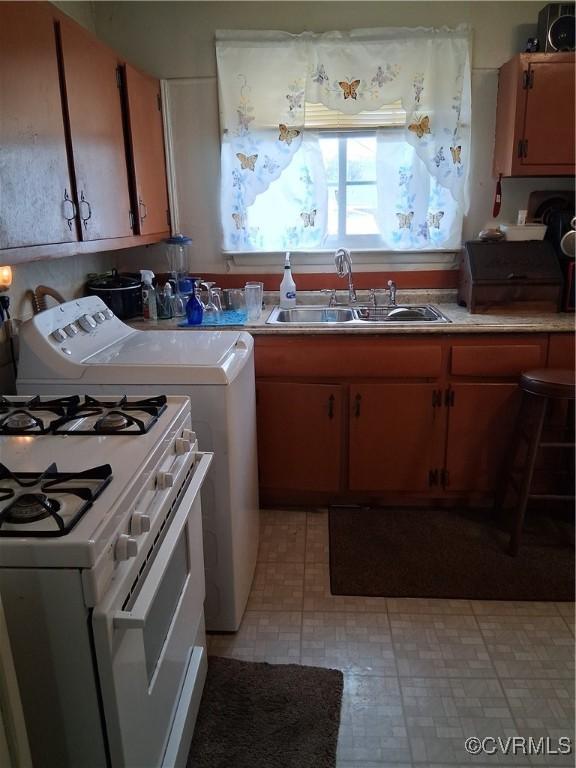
265,80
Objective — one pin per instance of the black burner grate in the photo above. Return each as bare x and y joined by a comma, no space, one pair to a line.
34,505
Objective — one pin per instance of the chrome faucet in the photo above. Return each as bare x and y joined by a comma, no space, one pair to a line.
343,262
332,292
392,291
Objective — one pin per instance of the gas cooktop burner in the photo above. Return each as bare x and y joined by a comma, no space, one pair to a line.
112,420
30,507
53,501
35,416
111,417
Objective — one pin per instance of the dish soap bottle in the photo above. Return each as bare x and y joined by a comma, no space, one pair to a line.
287,286
149,303
194,308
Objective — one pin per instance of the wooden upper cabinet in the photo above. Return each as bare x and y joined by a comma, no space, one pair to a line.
35,191
96,134
535,116
146,138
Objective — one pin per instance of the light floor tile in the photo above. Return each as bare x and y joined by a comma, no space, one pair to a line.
277,587
567,612
543,708
282,516
282,543
317,517
271,636
372,726
424,605
441,714
534,647
357,643
513,608
317,595
439,646
317,550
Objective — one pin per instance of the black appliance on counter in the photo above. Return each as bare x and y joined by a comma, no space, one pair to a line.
510,276
121,293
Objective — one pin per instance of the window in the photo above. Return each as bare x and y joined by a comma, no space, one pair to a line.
358,139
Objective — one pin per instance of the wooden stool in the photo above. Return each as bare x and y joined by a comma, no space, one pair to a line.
539,389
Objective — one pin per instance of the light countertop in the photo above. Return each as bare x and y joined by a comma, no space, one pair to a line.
520,321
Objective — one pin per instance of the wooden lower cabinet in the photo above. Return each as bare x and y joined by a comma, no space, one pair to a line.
418,420
395,437
299,437
481,423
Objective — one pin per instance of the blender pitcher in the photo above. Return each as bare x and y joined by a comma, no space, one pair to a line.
178,255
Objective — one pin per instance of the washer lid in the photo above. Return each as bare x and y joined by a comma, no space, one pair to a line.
160,348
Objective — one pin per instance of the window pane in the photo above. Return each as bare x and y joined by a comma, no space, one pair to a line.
361,204
329,149
361,158
332,219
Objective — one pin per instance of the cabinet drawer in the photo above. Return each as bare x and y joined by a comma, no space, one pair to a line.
496,360
346,357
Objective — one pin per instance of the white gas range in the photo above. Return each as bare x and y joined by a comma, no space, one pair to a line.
102,575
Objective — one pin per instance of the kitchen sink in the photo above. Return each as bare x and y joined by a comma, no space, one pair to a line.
311,315
403,313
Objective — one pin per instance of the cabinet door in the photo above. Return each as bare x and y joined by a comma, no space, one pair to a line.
396,435
96,134
548,129
147,151
35,182
480,431
299,436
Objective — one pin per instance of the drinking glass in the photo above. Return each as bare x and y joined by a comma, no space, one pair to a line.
253,294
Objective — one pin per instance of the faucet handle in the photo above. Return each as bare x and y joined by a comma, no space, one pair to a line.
332,292
392,290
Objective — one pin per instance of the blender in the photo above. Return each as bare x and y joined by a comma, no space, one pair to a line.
178,255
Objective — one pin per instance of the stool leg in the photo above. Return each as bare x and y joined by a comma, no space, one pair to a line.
510,460
526,482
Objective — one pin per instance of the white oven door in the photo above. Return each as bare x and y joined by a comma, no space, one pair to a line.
149,664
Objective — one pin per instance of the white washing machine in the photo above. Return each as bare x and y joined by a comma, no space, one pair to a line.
82,347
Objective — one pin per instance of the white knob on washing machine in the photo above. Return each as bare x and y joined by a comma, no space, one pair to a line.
182,446
188,434
71,329
126,547
86,322
139,523
99,317
108,314
165,480
59,335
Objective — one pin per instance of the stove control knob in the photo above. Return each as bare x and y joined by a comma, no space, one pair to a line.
99,317
108,314
87,323
165,480
59,335
71,329
182,446
139,523
126,547
189,435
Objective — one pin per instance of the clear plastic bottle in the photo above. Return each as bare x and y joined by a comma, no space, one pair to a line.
165,308
149,303
287,286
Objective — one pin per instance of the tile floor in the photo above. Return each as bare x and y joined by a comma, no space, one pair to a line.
420,676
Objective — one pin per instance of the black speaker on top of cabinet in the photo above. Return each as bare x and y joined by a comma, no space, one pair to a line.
556,27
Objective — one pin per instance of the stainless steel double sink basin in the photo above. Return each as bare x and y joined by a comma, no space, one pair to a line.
362,315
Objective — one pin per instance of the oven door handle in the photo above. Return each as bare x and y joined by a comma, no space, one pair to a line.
137,617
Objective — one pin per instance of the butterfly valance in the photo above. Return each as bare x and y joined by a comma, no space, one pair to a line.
267,78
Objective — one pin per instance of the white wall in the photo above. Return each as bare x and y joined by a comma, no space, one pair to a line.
176,40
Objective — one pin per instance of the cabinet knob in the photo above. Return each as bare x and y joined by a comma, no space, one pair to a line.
142,207
83,201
